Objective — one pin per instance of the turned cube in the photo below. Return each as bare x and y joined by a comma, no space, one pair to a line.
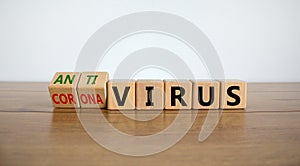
149,95
233,94
121,94
63,90
178,94
92,89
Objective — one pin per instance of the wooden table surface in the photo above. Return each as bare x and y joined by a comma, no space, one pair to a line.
32,132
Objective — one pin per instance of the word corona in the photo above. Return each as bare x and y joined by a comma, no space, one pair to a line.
94,90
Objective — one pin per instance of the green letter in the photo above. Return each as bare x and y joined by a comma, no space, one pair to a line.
89,78
59,79
69,78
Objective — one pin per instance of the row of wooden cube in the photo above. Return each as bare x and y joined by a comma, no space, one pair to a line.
94,90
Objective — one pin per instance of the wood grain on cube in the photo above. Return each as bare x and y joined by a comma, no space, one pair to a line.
233,94
63,89
92,89
149,95
121,94
178,94
206,94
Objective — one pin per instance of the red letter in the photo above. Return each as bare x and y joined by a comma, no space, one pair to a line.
53,98
91,98
99,100
63,98
83,99
71,99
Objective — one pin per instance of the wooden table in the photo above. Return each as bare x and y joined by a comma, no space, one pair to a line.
266,133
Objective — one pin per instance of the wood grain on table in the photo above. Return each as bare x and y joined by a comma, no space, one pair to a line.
32,132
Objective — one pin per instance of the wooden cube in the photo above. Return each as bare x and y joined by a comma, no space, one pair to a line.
92,89
233,94
149,95
121,94
63,90
178,94
206,94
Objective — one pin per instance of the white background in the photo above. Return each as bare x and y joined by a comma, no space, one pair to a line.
257,40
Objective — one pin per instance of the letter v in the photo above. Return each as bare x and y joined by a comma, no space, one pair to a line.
117,95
